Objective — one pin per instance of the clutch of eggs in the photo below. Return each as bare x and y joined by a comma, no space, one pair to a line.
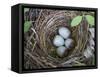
62,41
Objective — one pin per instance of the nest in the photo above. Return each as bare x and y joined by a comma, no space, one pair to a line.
39,51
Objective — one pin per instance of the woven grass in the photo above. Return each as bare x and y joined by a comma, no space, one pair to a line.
39,51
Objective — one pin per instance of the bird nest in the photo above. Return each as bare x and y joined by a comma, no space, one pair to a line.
39,51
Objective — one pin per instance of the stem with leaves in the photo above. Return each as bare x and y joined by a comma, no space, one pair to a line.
77,20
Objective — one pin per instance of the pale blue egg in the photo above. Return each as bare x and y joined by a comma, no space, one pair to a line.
58,40
61,51
68,42
64,32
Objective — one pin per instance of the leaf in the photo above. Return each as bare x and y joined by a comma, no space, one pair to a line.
76,21
90,19
27,25
26,9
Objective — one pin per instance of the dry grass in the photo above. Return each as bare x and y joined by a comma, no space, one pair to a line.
39,51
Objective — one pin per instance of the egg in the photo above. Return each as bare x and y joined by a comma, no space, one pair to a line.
61,51
69,43
58,40
64,32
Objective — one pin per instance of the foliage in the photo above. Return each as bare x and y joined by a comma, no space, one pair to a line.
77,20
90,19
27,25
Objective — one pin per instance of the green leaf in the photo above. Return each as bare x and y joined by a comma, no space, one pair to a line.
90,19
26,9
76,21
27,25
